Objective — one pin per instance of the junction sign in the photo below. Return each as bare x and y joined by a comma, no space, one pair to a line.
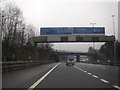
72,34
72,31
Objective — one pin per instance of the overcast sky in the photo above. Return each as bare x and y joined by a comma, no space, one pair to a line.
70,13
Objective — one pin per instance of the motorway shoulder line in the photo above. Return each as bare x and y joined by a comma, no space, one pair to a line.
42,78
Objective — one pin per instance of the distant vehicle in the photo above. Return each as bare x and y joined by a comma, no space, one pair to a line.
70,61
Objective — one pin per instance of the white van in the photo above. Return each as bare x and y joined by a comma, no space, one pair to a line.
70,61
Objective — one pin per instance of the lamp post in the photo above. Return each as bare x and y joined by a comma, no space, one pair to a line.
93,42
113,25
1,27
115,38
93,24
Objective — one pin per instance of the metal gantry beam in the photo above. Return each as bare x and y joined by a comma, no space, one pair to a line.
72,38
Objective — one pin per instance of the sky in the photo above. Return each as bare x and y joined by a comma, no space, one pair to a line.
70,13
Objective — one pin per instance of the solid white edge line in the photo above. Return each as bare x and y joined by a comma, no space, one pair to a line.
104,81
115,86
43,77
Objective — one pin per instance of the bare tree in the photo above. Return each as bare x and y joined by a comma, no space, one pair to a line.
16,35
12,27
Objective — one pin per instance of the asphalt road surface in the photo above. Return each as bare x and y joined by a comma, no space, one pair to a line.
58,75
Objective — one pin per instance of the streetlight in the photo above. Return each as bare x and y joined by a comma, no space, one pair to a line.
93,42
93,24
115,38
113,25
1,27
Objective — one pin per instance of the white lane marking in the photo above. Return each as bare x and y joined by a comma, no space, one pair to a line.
105,81
43,77
115,86
85,71
95,76
89,73
78,68
82,70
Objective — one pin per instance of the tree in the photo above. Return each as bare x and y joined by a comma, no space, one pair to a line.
17,36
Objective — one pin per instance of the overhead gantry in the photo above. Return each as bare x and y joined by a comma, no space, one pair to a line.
71,38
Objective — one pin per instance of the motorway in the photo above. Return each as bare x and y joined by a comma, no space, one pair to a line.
58,75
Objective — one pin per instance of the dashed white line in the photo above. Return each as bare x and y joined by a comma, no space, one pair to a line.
43,77
78,68
115,86
82,70
85,71
95,76
90,73
105,81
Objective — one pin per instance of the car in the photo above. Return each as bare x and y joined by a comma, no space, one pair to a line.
70,61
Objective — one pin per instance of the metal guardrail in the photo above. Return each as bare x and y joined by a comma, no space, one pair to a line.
14,65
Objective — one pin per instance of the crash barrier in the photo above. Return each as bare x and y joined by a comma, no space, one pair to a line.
14,65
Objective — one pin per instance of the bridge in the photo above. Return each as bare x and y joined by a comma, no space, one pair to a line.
77,54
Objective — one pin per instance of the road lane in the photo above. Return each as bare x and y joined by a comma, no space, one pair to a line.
23,78
109,73
42,78
79,76
69,77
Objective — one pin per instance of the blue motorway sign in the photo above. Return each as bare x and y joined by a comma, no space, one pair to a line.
72,31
